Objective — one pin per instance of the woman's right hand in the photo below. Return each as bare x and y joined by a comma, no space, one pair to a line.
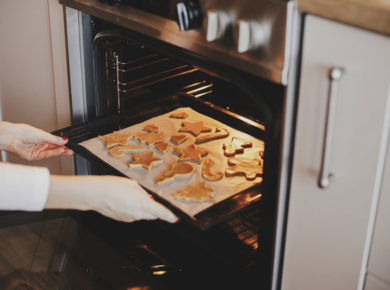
119,198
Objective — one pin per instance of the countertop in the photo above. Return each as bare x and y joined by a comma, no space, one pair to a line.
373,15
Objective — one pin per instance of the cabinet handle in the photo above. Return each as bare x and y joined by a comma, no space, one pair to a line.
334,74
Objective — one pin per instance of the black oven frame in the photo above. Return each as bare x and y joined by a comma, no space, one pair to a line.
281,130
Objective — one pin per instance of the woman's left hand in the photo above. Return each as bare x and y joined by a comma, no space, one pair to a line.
31,143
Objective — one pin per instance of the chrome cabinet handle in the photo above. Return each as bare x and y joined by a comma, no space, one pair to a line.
335,74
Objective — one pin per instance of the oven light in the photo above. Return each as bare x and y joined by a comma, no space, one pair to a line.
159,273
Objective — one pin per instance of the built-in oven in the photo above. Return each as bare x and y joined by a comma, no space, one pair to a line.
130,61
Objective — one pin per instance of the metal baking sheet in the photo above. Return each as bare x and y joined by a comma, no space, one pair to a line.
224,188
145,108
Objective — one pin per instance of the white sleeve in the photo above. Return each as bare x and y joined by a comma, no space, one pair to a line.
23,187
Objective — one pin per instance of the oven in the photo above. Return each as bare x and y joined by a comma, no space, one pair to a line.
130,61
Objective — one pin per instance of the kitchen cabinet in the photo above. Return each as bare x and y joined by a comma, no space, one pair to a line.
33,70
329,228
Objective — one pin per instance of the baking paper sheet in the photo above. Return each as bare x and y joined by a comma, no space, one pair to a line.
224,188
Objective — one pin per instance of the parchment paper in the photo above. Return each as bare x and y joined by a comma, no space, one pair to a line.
224,188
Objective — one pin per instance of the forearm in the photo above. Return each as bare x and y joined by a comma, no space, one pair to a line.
5,134
73,192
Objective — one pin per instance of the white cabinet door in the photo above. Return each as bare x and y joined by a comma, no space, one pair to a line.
379,262
327,227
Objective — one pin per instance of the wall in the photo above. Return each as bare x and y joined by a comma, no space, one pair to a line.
33,70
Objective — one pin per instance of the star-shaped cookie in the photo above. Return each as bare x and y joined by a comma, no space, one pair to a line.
145,160
191,153
115,138
149,138
195,128
235,146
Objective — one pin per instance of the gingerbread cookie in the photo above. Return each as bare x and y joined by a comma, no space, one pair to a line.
178,115
173,171
198,192
149,138
178,139
195,128
116,138
236,146
151,128
191,153
119,151
145,160
162,146
219,134
248,167
207,171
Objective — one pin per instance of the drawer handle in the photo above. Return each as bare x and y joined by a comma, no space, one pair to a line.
335,74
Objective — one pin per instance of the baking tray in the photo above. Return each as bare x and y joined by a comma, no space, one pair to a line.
146,108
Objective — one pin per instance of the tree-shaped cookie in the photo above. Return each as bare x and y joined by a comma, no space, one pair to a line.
149,138
235,146
191,153
195,128
173,171
248,167
145,160
115,138
198,192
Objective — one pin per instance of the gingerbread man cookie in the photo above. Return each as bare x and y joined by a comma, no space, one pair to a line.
149,138
119,151
191,153
145,160
219,134
178,115
207,171
116,138
248,167
195,128
236,146
173,171
198,192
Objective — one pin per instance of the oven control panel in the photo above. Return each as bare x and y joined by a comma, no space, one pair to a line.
252,35
214,18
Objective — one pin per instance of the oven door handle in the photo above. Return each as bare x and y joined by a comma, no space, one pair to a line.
325,177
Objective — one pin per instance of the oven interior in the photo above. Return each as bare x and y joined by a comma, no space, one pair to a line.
134,77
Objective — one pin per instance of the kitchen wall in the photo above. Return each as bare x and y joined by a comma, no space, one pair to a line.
33,70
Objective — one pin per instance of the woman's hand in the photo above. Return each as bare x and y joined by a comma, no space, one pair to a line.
31,143
119,198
